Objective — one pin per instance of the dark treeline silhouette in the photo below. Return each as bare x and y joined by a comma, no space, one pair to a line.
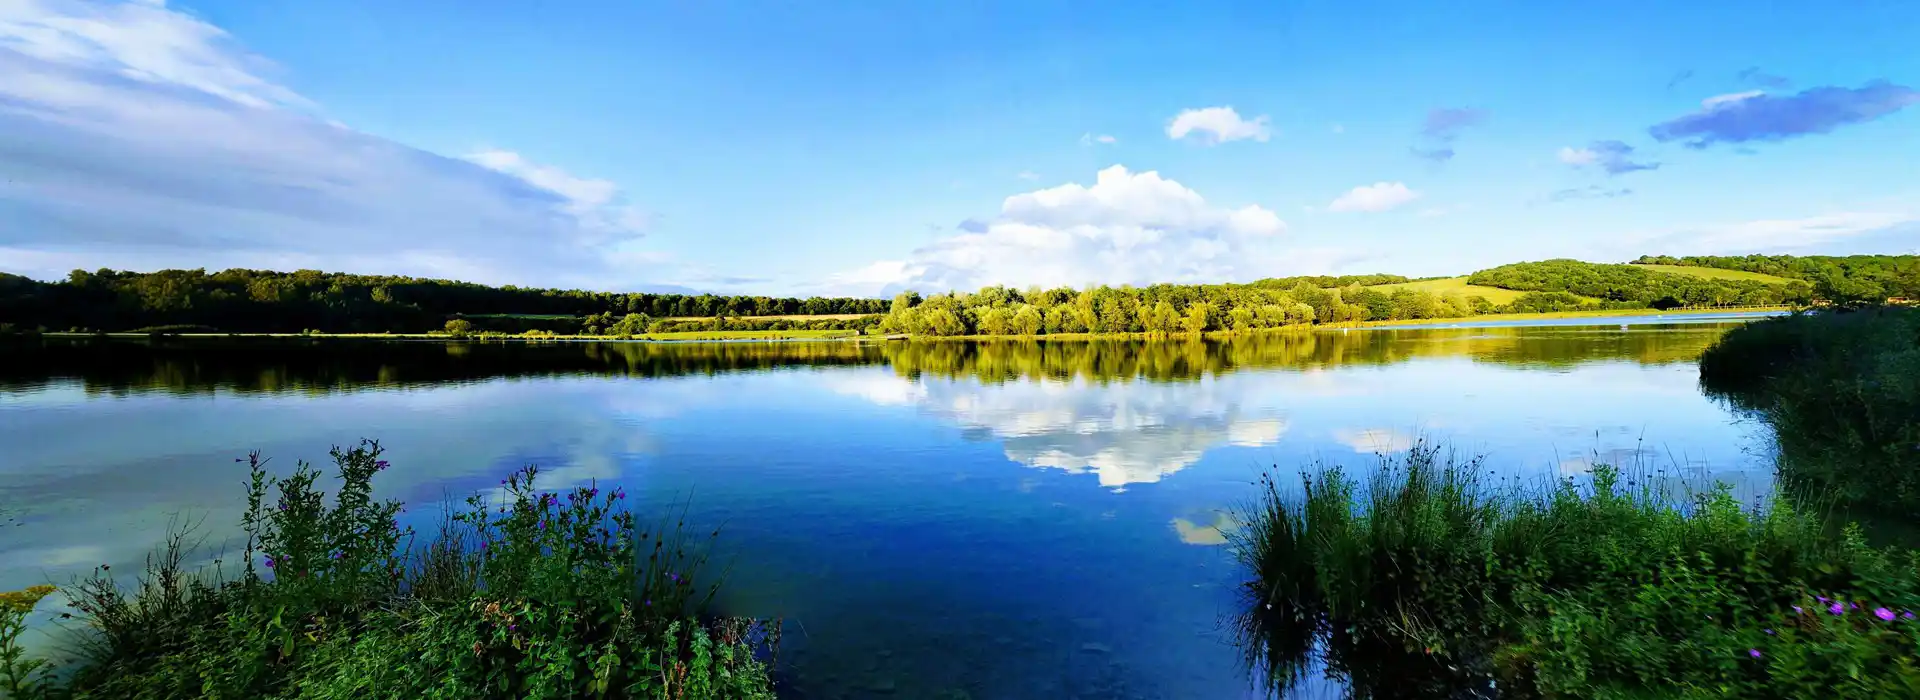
119,366
1849,279
263,301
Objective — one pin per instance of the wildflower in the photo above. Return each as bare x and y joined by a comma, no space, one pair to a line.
1768,631
1837,609
649,602
338,555
1883,614
1755,653
269,562
1797,610
380,465
1908,615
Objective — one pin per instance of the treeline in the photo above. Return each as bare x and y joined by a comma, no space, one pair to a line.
1639,285
1166,309
1848,279
639,323
241,300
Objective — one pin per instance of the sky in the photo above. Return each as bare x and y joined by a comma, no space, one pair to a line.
862,148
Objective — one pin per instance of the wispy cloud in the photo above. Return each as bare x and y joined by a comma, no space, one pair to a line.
1441,127
1028,175
1754,75
1216,125
1777,235
1379,196
1089,139
1588,192
1613,157
1755,116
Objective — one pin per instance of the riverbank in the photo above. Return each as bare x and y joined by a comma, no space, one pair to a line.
655,337
540,594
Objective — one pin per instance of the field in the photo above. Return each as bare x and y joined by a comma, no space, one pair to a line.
1455,284
789,317
1717,273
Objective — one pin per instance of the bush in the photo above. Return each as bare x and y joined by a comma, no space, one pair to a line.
539,596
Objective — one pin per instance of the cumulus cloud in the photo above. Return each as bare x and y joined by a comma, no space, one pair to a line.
1126,228
1613,157
1122,432
1379,196
1442,126
1756,116
139,136
1215,125
1089,139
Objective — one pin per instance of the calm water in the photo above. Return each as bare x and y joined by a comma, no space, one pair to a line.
1012,520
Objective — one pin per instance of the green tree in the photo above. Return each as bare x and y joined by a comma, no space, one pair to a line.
459,327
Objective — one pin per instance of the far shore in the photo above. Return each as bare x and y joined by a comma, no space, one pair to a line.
849,335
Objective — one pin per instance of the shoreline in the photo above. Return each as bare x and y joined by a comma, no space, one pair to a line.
853,336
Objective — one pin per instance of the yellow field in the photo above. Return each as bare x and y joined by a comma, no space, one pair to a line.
1717,273
1454,284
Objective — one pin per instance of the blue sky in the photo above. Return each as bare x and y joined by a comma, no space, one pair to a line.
864,147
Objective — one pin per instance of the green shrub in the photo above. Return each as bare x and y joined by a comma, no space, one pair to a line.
542,595
1432,579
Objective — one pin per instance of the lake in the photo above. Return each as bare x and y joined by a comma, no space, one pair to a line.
938,519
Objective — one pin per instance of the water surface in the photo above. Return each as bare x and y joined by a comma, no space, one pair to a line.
939,519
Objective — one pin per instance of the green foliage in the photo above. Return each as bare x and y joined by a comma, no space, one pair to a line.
538,596
1848,279
1633,284
257,301
459,327
1841,391
1429,577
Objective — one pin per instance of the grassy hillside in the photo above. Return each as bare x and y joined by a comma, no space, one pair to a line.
1454,284
1715,273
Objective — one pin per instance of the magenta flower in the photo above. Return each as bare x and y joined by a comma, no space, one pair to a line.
1908,615
1755,653
1821,598
1883,614
1797,610
1837,609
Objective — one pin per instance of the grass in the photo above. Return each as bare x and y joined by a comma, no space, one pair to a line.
752,335
1429,579
1717,273
687,335
538,595
1458,285
788,317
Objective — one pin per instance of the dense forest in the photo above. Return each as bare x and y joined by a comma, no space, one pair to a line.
1628,283
1853,278
257,301
290,302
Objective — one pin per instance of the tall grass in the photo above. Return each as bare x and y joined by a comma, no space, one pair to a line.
539,595
1842,394
1427,580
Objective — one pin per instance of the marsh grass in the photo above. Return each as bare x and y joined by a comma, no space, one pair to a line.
1841,392
535,595
1431,579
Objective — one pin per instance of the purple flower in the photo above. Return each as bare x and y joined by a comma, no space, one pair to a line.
1797,610
649,602
1821,598
1755,653
1908,615
337,555
269,562
1768,631
543,526
1837,609
380,465
1883,614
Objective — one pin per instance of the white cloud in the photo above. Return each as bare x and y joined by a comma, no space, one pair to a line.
1216,125
1028,175
141,137
1379,196
1126,228
1578,156
1721,100
1090,138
